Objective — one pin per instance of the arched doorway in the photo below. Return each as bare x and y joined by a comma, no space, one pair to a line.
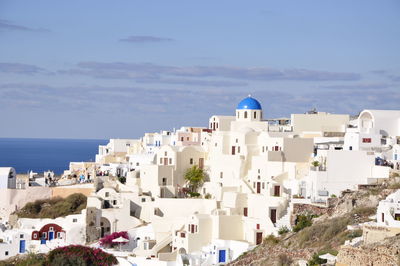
105,226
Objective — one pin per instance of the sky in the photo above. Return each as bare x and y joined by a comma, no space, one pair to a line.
116,69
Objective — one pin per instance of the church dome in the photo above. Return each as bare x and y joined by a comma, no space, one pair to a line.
249,103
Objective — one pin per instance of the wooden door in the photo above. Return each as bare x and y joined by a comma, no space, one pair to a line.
273,215
258,187
201,163
277,191
245,211
165,161
259,236
233,150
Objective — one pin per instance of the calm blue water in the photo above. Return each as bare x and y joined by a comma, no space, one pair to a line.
46,154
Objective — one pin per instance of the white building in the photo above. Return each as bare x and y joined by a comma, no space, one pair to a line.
8,178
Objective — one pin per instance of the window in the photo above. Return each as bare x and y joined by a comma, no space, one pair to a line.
34,235
165,153
160,160
164,181
258,226
215,144
44,235
187,138
128,144
58,234
263,149
263,185
6,253
21,236
258,170
245,114
137,164
183,234
383,217
210,125
74,220
217,125
237,140
255,115
221,174
245,211
143,199
107,194
51,228
366,140
191,161
238,149
181,138
170,160
114,202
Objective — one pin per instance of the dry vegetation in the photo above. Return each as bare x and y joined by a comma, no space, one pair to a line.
53,208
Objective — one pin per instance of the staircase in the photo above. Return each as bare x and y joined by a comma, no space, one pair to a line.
284,221
161,244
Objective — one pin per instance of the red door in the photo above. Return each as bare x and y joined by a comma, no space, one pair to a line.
165,161
273,215
258,187
233,150
259,236
277,191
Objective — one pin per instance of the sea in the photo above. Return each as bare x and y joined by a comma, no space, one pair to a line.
40,155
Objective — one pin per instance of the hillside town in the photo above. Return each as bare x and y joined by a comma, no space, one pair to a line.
206,195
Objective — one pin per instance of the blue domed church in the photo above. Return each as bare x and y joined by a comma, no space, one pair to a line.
249,109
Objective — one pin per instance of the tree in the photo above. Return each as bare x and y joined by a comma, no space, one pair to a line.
195,176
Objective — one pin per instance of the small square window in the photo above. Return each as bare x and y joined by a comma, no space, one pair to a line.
21,236
107,194
74,220
165,153
51,228
6,253
143,199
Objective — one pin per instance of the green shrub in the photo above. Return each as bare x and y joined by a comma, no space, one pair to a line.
302,222
316,260
80,255
333,196
194,194
283,230
354,234
271,239
207,196
122,179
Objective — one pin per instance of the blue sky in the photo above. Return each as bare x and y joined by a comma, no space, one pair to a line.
103,69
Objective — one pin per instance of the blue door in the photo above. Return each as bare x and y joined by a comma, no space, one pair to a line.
51,235
22,246
221,257
42,241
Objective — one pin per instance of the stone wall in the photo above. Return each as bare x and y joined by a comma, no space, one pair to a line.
379,256
14,199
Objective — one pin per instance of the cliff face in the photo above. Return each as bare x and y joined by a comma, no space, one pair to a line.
386,253
329,232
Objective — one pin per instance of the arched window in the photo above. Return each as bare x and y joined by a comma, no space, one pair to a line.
255,115
245,114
